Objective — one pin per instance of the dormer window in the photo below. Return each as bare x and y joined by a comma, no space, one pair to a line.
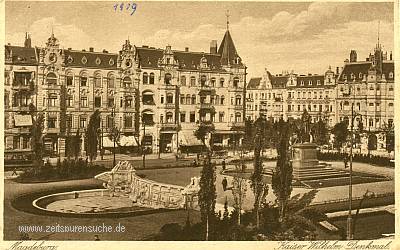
360,75
351,76
302,83
319,82
391,75
309,82
344,77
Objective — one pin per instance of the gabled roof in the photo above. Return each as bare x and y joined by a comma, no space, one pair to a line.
188,60
21,55
254,83
279,81
227,50
356,68
75,58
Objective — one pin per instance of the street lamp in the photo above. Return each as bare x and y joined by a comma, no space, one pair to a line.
349,218
113,132
143,142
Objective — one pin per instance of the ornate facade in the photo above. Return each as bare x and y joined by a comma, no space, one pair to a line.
154,96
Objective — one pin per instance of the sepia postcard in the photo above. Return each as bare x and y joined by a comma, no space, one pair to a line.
199,124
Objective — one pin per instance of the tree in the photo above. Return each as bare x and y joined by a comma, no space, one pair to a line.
260,189
37,138
282,175
341,133
207,192
92,135
114,135
320,132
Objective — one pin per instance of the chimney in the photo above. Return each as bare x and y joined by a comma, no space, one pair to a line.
213,47
390,56
69,48
105,51
186,49
353,56
337,70
27,43
91,49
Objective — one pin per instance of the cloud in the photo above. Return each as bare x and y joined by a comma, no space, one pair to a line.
307,42
70,35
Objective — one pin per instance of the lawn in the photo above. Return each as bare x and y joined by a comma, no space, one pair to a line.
369,226
175,176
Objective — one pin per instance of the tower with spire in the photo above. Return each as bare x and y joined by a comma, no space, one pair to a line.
27,42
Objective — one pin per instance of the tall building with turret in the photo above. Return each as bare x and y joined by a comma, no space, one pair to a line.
156,97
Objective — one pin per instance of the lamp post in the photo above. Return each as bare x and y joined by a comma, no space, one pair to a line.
113,132
143,142
349,218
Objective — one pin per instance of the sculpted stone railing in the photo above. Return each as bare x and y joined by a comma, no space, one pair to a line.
123,181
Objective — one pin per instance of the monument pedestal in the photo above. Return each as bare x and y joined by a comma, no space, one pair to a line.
306,165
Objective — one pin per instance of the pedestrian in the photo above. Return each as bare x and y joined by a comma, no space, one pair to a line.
14,172
194,163
96,238
223,164
346,161
224,183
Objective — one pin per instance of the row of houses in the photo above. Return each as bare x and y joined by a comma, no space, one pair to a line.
157,97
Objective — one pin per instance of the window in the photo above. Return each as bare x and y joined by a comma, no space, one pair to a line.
309,95
213,81
371,122
183,116
83,81
70,80
70,101
203,80
183,80
298,108
216,100
110,121
169,117
236,82
128,102
309,82
170,98
145,78
127,82
315,95
97,102
110,102
111,82
289,107
193,99
302,83
151,78
221,82
167,79
390,104
69,121
97,81
182,99
320,108
238,100
390,88
82,122
23,78
51,79
221,116
187,99
318,82
192,117
192,81
238,117
128,121
51,122
222,100
84,101
52,100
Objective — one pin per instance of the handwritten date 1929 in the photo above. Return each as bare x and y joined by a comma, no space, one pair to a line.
128,7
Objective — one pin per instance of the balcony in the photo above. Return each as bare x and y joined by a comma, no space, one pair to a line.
23,87
236,124
169,126
167,87
169,105
238,107
20,108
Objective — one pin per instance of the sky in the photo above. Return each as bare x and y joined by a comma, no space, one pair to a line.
306,37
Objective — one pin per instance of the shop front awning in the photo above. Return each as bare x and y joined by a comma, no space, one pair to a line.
108,143
22,120
189,139
227,132
128,141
